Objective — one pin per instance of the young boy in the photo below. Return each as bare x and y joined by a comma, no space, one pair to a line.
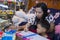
9,27
23,26
42,28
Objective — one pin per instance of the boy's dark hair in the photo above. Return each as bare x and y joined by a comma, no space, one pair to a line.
6,26
44,24
44,8
23,23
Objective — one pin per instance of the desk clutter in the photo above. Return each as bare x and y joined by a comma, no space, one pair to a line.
29,36
3,23
6,14
22,35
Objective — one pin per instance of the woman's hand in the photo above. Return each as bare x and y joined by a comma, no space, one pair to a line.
57,15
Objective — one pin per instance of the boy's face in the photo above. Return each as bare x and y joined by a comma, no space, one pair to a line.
40,29
12,27
39,12
21,27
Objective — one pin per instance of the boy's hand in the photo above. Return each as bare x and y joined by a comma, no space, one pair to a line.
25,29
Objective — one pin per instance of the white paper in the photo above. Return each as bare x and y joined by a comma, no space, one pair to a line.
34,37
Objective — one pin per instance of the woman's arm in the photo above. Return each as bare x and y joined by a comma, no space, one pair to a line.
52,27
